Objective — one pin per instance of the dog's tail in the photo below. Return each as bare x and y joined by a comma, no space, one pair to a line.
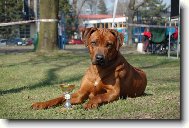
49,103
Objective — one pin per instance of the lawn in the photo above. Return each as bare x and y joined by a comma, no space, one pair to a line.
28,77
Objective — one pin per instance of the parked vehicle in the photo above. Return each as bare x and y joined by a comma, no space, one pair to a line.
3,42
75,41
15,41
29,41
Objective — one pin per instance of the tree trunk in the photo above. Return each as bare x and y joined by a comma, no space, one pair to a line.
48,34
130,21
131,10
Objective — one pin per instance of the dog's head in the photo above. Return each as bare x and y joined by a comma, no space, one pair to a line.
103,44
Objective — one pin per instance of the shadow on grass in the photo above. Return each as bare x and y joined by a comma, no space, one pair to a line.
46,59
147,94
50,80
52,77
156,65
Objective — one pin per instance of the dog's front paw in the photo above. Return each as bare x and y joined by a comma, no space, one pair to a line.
39,105
90,105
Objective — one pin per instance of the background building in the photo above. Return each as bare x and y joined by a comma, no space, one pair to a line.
31,12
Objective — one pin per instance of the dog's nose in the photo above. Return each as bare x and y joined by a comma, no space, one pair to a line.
100,59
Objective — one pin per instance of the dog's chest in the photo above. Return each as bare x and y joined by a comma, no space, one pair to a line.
97,88
98,82
103,78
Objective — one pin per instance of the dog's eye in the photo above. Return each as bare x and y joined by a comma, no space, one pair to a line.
93,43
109,45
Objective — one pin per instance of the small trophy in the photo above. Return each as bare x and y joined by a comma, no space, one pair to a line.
66,89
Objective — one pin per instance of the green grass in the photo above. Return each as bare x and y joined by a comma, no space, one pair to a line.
27,77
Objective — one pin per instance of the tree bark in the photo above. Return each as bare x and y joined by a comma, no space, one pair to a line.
130,21
48,34
131,10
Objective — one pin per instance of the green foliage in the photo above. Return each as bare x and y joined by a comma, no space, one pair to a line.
102,7
152,11
69,15
64,6
10,10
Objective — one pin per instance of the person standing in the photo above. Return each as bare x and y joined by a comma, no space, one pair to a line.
147,37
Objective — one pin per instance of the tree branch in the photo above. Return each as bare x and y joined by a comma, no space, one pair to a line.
142,3
79,10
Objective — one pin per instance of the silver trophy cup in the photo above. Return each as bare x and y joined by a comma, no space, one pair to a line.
66,89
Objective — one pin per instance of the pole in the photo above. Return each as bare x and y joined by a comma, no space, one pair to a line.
114,13
178,40
36,11
169,40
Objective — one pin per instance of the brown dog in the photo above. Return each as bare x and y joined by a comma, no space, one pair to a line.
109,77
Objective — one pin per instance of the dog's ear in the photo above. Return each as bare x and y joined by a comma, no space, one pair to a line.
86,34
119,36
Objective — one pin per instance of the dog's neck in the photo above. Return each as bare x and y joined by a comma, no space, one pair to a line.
103,72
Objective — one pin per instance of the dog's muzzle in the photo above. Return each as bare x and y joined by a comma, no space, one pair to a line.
100,59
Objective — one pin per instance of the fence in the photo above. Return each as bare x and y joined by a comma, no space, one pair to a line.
162,40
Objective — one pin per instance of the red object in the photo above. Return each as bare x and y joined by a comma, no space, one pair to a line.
175,35
29,42
148,34
75,41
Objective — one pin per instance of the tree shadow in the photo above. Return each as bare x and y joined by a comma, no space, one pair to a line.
147,94
42,59
156,65
50,80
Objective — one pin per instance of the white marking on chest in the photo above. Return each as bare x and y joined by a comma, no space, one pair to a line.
96,83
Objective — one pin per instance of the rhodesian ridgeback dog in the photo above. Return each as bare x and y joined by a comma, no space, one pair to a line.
109,77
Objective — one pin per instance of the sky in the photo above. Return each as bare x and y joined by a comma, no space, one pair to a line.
168,2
